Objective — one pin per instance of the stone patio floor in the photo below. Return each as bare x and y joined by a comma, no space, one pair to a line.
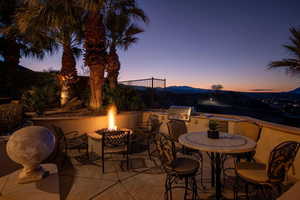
80,179
144,180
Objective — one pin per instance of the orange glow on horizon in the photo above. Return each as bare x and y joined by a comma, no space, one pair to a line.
244,88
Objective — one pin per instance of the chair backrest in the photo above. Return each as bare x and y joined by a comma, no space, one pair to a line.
166,148
248,129
155,124
176,128
115,138
281,159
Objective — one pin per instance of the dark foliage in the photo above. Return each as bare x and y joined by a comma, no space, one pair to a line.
125,98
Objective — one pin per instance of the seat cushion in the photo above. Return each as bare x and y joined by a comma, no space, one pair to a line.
252,172
185,166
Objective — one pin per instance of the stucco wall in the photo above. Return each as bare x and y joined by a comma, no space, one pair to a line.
89,123
271,134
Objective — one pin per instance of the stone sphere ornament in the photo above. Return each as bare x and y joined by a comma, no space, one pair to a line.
29,146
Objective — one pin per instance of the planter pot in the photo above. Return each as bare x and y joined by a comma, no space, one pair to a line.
213,134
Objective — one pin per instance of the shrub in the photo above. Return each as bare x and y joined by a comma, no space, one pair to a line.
38,98
124,97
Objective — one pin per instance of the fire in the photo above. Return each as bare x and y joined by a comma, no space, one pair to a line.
112,112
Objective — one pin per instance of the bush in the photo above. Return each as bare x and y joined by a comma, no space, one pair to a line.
124,97
11,116
38,98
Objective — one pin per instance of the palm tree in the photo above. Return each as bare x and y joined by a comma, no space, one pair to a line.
121,32
95,48
15,44
291,64
59,20
95,43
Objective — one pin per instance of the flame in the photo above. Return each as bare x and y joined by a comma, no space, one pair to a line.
112,112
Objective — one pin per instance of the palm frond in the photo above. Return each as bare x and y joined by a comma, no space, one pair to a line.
134,29
119,20
292,65
92,5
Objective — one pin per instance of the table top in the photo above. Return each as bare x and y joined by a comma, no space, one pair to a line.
227,143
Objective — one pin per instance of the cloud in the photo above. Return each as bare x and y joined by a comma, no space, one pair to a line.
261,90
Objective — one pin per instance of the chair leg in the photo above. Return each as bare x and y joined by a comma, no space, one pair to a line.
127,161
194,189
149,150
186,180
247,191
235,188
103,164
168,188
201,169
87,153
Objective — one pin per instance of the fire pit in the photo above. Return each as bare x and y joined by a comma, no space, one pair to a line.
113,136
114,140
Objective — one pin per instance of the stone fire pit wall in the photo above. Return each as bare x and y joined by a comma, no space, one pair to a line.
85,124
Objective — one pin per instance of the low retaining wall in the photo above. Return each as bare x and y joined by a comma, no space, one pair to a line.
271,134
84,124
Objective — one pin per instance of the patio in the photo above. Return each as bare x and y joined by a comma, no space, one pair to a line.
80,178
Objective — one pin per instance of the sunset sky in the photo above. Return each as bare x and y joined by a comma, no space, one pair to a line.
203,42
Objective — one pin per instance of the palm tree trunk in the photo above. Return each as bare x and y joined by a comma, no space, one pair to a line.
113,79
96,84
68,73
113,68
95,53
12,53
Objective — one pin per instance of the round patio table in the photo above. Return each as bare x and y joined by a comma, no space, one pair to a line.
226,143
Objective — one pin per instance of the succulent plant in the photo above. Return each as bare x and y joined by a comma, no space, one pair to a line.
213,125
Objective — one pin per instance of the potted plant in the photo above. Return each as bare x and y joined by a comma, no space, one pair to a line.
213,129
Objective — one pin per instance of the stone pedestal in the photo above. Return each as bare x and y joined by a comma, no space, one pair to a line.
29,146
29,174
45,189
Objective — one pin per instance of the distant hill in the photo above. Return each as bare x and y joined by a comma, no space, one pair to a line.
186,89
295,91
192,90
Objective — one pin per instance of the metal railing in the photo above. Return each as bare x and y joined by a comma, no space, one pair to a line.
149,83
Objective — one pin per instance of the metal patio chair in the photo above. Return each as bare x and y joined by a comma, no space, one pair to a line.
267,177
177,128
181,168
115,142
66,141
149,131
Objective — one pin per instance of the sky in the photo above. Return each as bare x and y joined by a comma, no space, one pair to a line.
199,43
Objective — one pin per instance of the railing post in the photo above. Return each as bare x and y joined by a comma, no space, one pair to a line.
152,80
152,92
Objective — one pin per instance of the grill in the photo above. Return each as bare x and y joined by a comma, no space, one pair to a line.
179,113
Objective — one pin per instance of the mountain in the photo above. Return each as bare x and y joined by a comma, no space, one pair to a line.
186,89
295,91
